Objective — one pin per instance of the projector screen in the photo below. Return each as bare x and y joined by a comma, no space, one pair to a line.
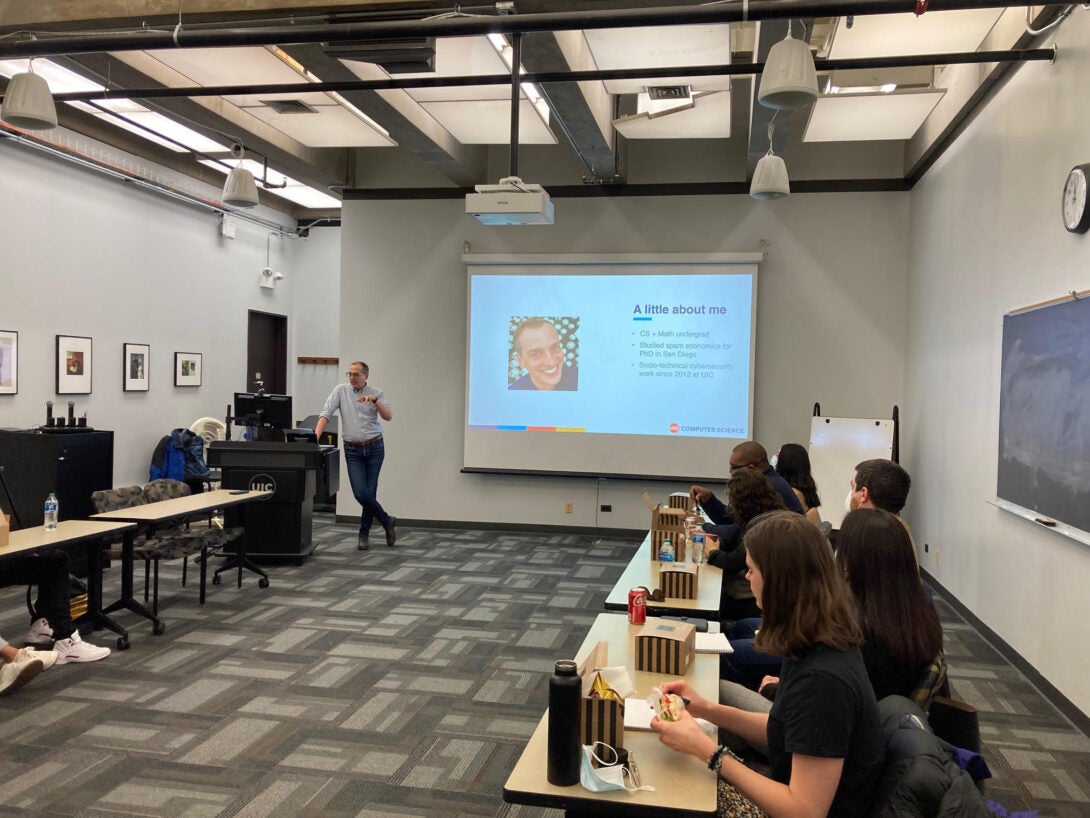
619,366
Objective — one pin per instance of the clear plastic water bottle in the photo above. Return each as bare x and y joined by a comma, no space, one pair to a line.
666,551
698,548
52,508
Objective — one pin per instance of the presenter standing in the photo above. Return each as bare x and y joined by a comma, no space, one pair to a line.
361,406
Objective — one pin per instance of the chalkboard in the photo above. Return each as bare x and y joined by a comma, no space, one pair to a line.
1044,414
837,446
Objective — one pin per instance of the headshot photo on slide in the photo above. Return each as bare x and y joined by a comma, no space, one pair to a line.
544,353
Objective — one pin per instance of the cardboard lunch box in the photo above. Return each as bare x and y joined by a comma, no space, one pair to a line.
665,646
666,522
679,580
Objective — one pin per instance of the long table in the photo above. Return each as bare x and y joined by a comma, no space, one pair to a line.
150,515
642,570
27,541
683,786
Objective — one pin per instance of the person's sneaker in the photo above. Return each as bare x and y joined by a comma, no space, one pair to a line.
363,544
47,657
391,533
40,633
14,675
74,649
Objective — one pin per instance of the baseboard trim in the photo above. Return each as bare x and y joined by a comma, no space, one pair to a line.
514,527
1070,711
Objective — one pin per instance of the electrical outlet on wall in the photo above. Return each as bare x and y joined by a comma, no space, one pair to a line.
938,557
567,508
605,507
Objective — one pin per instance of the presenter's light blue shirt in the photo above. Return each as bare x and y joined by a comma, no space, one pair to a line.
359,421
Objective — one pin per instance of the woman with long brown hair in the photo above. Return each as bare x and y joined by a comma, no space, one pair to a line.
822,735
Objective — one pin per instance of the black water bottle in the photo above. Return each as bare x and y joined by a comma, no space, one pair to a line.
565,690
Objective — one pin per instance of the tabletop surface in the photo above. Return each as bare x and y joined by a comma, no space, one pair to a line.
181,506
681,782
66,532
642,570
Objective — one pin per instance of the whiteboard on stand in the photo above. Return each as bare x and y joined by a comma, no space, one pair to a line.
837,446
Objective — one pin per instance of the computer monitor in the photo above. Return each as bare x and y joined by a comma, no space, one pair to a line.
263,410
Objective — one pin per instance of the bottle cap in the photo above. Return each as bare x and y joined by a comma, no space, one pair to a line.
565,667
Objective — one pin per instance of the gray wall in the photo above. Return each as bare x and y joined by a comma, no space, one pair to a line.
831,328
88,255
986,238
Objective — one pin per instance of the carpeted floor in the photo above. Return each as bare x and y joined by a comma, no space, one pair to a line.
398,682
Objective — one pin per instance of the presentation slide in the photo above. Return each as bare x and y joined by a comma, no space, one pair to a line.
629,351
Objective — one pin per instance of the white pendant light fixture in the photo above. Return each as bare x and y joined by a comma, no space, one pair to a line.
770,176
789,79
239,190
28,102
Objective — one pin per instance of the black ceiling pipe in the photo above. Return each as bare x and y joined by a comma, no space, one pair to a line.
475,26
543,77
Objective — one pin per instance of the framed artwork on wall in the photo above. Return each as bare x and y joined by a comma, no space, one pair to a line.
73,365
187,368
136,359
9,362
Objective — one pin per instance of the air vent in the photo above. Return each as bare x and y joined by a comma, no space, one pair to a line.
289,106
414,56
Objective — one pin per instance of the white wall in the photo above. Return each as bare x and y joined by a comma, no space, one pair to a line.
830,306
986,237
87,255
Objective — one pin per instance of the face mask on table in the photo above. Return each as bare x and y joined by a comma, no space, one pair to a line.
610,776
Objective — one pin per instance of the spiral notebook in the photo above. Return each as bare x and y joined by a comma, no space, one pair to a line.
713,643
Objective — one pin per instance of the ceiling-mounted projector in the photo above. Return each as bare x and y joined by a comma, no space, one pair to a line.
510,202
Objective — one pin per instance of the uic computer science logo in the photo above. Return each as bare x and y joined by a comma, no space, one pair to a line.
263,482
674,428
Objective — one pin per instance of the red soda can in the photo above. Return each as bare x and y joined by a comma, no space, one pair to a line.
637,606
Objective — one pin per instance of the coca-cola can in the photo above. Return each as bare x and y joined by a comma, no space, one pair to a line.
637,606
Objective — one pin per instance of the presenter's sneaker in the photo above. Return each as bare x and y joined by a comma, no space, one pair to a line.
47,657
391,533
17,673
40,633
74,649
363,544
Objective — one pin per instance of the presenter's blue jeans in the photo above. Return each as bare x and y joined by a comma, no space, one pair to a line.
364,464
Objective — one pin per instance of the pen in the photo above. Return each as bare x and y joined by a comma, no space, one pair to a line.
1043,521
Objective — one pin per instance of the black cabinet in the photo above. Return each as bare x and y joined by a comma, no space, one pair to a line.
70,464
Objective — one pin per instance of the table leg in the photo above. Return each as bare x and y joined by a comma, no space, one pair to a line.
95,614
127,601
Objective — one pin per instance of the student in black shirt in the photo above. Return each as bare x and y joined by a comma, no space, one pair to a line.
822,735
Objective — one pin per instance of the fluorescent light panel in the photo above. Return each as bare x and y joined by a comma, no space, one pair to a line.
661,47
900,35
869,117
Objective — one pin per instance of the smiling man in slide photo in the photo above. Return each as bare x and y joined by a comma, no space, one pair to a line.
539,352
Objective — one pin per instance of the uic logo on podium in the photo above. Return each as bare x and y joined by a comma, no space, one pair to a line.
263,482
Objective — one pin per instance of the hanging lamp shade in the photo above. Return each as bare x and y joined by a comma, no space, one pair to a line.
770,178
240,190
28,103
789,79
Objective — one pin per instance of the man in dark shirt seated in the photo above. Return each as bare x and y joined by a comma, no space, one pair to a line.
748,455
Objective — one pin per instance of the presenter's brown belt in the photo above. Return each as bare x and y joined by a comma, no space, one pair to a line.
358,443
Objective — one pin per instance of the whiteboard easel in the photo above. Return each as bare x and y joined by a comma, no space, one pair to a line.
837,446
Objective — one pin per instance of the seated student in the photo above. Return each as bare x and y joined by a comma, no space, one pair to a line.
749,456
880,484
902,635
822,736
750,494
793,465
49,571
17,667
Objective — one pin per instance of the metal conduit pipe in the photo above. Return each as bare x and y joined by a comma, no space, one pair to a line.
545,77
474,26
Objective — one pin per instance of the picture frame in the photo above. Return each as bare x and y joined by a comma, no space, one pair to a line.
9,362
187,368
135,367
74,364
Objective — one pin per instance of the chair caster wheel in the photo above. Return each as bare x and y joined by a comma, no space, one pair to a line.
263,582
122,643
159,628
216,579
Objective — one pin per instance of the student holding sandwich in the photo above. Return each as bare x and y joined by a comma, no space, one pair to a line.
822,735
